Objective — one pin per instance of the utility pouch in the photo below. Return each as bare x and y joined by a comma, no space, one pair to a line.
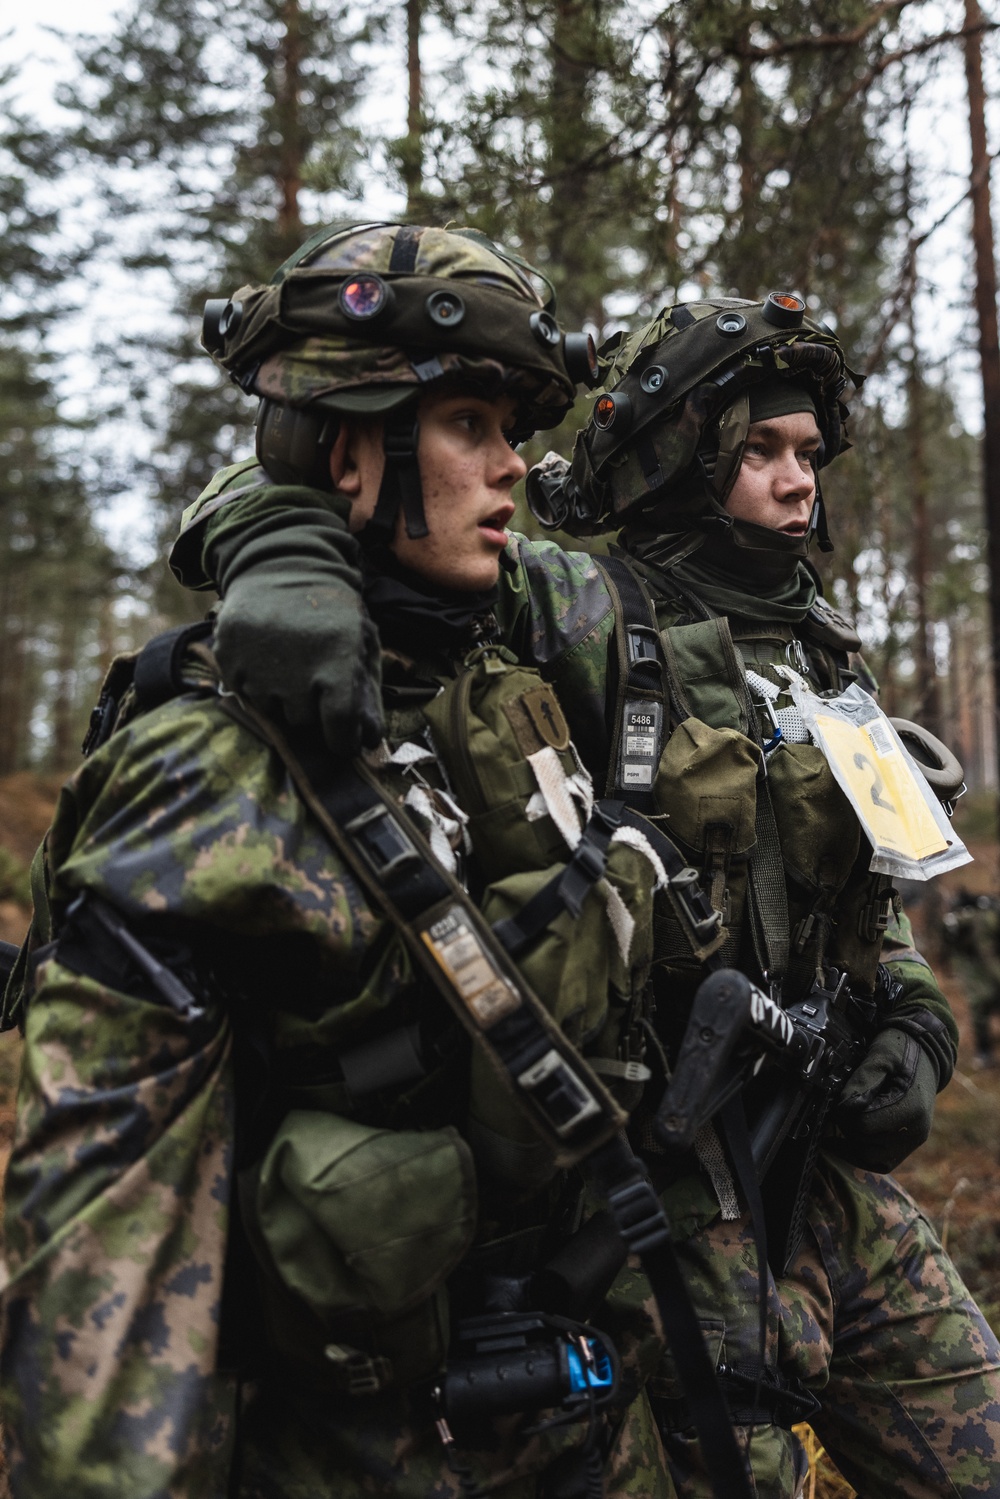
486,724
817,830
363,1226
577,965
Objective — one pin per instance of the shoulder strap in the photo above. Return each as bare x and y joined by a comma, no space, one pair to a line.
154,674
637,731
450,941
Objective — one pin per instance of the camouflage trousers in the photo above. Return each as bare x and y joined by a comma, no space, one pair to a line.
874,1319
295,1448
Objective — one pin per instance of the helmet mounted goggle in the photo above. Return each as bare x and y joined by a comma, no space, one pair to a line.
469,312
666,387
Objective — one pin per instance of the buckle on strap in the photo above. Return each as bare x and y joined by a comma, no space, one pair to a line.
705,920
641,645
637,1215
399,440
358,1373
387,848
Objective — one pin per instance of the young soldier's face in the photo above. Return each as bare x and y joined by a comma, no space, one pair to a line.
467,471
776,486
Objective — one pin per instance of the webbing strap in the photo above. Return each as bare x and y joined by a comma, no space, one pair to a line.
566,890
640,1220
768,895
769,921
157,678
400,487
638,727
451,943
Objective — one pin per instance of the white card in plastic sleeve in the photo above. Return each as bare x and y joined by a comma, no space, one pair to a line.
910,833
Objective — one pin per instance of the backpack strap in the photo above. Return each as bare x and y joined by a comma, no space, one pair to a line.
154,674
637,681
157,676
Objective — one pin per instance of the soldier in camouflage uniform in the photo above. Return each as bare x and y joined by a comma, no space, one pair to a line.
706,449
213,1007
972,932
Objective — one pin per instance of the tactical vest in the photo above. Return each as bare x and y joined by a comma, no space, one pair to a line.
777,844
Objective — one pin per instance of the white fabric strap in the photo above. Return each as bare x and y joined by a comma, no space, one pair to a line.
642,845
621,919
553,783
443,833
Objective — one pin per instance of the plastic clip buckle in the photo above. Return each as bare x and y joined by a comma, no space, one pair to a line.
385,845
638,1216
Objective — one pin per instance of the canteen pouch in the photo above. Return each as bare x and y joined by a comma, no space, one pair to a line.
705,794
485,724
362,1226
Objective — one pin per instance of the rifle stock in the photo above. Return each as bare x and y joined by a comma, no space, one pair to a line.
734,1028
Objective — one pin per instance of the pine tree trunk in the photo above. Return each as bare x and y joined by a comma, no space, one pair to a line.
289,86
986,315
13,709
928,709
413,160
65,741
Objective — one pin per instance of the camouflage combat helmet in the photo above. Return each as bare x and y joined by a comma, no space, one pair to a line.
364,318
667,435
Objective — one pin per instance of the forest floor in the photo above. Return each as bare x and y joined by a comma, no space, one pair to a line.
955,1176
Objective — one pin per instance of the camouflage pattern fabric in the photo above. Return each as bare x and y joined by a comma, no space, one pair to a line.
116,1220
928,1389
120,1187
875,1321
303,350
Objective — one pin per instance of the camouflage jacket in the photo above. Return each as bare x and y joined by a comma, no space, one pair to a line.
120,1187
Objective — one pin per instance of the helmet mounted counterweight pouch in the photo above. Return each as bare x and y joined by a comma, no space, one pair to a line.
294,445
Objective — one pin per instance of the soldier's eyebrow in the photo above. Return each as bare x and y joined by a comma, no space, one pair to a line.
773,431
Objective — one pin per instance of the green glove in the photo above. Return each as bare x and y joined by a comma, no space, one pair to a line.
887,1106
292,634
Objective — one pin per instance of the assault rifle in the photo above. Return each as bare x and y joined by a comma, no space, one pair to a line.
733,1032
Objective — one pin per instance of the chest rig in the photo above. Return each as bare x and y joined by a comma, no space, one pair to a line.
760,816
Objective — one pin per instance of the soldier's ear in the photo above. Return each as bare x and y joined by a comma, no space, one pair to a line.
345,469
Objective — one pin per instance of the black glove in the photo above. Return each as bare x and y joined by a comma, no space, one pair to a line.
292,635
887,1106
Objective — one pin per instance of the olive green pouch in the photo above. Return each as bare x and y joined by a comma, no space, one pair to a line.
817,828
576,968
485,724
707,778
364,1226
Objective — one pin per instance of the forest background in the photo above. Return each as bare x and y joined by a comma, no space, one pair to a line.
639,154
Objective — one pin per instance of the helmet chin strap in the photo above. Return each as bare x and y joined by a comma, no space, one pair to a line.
400,488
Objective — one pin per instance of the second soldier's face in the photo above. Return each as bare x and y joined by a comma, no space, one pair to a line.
467,471
776,486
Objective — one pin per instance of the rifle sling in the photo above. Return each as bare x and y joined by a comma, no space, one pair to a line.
451,943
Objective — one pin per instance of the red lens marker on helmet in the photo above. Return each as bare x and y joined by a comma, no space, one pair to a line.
783,309
363,297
